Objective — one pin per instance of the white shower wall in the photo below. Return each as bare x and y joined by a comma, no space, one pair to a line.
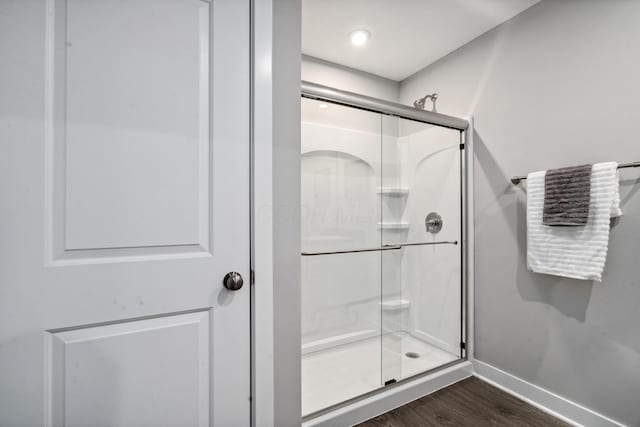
346,169
431,275
340,174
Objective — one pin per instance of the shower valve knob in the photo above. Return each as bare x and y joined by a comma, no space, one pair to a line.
433,223
233,281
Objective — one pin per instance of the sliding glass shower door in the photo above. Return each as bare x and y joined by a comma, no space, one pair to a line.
381,251
341,261
421,212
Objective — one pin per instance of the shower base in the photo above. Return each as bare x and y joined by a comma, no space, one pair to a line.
336,374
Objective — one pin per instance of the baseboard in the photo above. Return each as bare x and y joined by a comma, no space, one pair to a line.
391,398
547,401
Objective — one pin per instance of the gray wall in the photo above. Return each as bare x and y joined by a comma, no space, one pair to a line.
557,85
340,77
286,212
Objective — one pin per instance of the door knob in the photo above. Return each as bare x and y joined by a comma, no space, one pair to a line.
233,281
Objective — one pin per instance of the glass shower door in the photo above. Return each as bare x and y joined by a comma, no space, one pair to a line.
381,251
421,288
341,261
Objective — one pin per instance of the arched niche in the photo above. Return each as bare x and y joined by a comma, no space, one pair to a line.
339,201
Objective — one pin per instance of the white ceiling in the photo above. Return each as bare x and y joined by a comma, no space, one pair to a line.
406,35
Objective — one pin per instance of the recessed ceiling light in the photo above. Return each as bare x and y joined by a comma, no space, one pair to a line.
323,105
359,37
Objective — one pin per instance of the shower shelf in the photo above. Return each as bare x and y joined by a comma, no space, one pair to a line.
394,305
393,191
399,226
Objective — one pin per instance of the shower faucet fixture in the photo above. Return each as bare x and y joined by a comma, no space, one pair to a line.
419,103
433,223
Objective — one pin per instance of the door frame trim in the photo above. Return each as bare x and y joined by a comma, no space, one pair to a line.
262,400
276,62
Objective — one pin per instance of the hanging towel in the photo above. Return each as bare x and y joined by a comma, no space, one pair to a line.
567,192
576,252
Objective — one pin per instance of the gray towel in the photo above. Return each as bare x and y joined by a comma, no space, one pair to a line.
567,192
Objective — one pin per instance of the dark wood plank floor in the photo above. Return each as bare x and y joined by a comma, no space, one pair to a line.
471,402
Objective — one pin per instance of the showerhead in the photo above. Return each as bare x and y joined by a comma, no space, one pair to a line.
419,103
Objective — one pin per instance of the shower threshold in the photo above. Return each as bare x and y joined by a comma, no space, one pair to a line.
340,373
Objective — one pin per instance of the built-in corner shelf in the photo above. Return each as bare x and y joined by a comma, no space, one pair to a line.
393,191
396,226
394,305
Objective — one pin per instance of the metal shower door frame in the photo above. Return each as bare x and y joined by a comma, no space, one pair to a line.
465,126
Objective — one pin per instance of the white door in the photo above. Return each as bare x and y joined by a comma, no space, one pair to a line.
124,201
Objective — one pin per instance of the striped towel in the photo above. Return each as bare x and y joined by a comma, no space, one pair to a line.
576,252
567,192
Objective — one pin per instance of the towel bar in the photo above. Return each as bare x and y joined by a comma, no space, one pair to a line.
517,179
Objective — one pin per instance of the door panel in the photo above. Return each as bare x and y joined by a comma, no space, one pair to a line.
100,375
124,171
133,99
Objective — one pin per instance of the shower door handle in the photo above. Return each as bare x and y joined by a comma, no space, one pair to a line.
233,281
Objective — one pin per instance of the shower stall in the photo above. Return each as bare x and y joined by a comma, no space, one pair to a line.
384,261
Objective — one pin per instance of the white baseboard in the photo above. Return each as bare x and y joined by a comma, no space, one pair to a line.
391,398
542,399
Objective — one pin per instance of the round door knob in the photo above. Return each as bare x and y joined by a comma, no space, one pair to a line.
233,281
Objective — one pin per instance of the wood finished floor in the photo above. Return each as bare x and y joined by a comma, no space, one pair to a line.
470,402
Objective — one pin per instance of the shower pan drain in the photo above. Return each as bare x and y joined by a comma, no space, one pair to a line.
412,355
